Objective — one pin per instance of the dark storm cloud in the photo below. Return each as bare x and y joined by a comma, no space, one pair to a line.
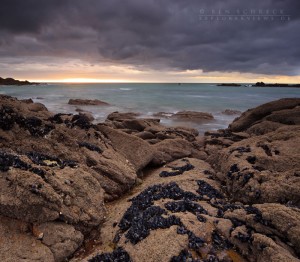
153,34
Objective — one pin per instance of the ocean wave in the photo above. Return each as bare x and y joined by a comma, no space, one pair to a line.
125,88
54,95
201,96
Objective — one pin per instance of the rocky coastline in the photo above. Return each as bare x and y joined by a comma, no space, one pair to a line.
131,189
261,84
10,81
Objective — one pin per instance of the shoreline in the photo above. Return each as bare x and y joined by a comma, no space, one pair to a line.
61,174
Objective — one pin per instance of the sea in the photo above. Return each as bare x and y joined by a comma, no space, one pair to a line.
148,99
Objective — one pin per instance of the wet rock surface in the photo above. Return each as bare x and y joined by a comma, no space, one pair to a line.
195,214
118,255
87,102
232,195
230,112
61,168
244,207
286,106
192,116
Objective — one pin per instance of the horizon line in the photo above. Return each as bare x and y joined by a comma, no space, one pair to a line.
146,82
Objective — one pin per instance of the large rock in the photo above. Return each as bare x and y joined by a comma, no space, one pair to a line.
171,149
114,172
192,116
62,239
263,168
129,121
46,196
58,169
18,244
118,116
185,203
138,152
169,143
252,116
261,221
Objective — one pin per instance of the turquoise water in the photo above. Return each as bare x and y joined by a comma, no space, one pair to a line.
150,98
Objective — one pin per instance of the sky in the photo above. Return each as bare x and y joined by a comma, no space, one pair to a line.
150,40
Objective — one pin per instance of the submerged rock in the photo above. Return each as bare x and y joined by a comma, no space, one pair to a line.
230,112
192,116
87,102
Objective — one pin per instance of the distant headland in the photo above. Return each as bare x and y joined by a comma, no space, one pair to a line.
13,82
260,84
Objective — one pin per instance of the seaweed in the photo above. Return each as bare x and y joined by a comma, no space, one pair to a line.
9,160
201,218
39,172
233,169
7,118
185,205
220,213
167,174
39,159
251,159
90,147
257,216
241,149
81,121
195,242
118,255
208,190
51,161
224,206
181,230
142,216
35,188
207,172
184,168
177,170
267,149
68,162
211,258
219,242
57,118
149,219
236,222
34,125
184,256
246,178
257,194
258,168
243,237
